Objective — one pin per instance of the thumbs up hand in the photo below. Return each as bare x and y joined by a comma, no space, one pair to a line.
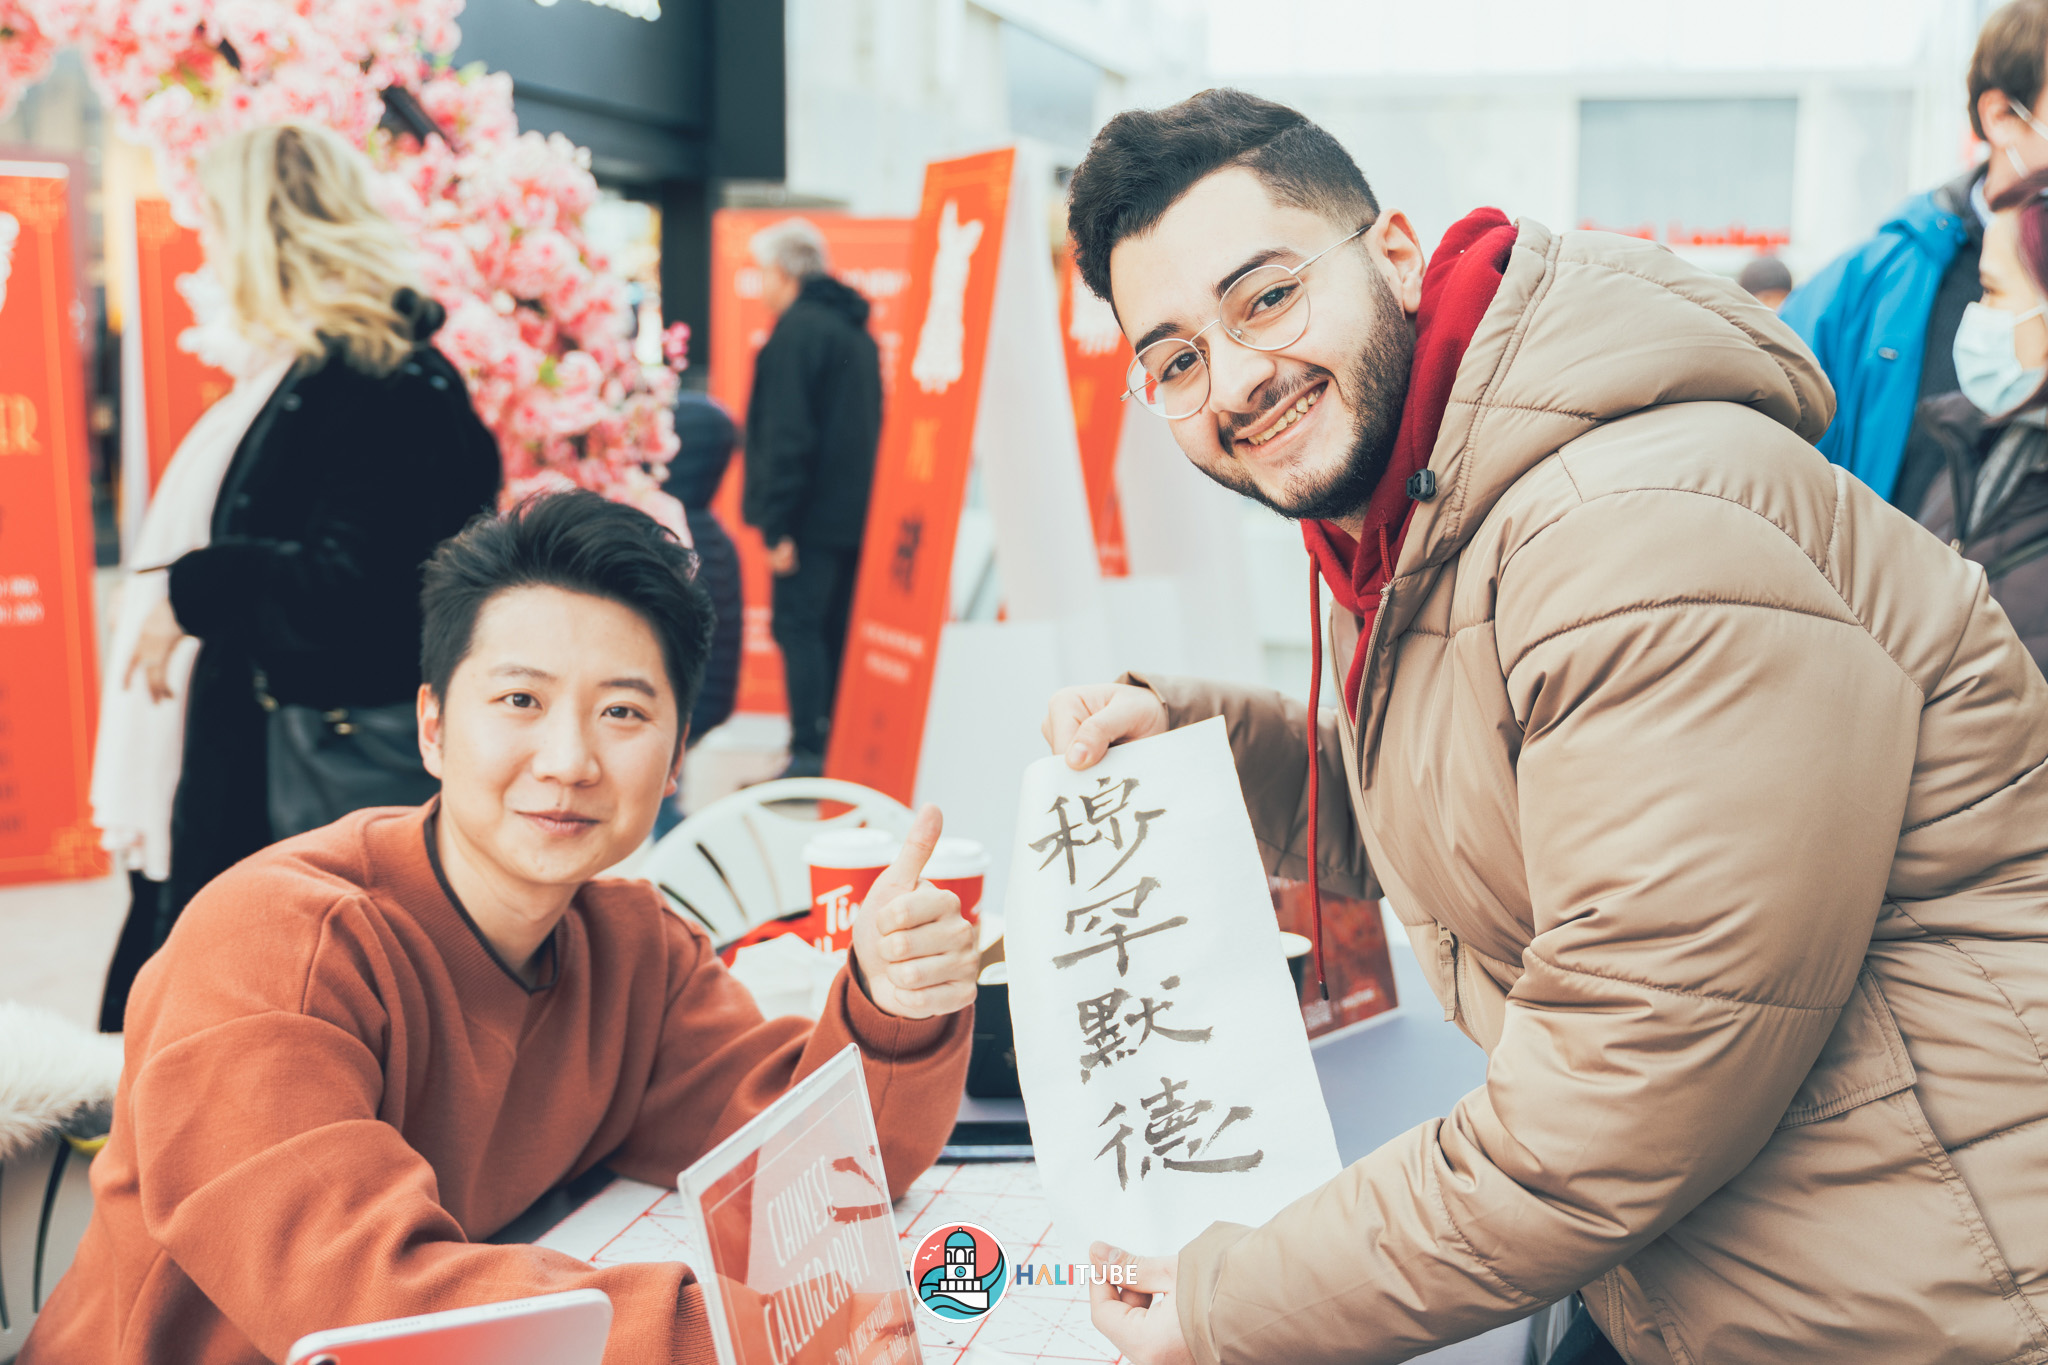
914,947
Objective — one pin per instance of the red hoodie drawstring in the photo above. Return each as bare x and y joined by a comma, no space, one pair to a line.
1315,760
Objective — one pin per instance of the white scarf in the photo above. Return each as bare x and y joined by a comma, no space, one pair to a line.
142,742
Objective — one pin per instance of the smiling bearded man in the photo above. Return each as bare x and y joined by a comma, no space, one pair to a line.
1712,790
367,1049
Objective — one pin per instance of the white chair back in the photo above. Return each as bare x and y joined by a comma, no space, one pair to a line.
739,862
45,1203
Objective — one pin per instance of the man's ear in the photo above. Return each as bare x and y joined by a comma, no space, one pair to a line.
428,708
1398,255
675,769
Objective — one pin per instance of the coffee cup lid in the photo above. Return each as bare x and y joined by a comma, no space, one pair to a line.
852,848
956,858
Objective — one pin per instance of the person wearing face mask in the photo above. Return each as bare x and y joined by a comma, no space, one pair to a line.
1882,318
1990,441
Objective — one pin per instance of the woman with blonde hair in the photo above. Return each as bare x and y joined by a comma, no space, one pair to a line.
265,662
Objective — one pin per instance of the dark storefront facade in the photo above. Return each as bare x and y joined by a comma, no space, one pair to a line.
671,97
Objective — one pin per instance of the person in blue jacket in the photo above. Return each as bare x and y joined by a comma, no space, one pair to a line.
1882,318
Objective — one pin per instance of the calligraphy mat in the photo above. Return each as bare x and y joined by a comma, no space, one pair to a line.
630,1222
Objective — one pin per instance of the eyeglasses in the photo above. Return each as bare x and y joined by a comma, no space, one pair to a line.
1263,310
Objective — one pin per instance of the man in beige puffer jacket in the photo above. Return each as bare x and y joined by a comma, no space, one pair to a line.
1713,792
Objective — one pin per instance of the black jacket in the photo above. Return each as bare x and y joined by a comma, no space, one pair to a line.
2000,475
705,435
342,488
813,421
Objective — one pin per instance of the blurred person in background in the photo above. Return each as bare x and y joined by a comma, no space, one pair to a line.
1767,280
706,434
1990,442
813,421
268,649
1883,317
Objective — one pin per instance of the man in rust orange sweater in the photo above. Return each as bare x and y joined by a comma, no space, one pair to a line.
368,1047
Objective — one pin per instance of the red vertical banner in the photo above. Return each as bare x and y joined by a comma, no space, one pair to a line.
177,386
48,677
872,255
1098,361
903,596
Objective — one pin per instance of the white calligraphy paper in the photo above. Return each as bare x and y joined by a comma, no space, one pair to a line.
1165,1067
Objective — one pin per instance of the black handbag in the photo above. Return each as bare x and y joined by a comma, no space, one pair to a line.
324,764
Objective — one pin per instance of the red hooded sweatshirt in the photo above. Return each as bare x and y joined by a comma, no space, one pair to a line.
1457,289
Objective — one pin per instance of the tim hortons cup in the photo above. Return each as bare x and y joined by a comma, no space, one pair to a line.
961,867
844,864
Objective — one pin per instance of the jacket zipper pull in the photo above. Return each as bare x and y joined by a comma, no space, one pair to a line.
1447,969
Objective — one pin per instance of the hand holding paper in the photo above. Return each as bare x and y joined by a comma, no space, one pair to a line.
1081,723
1164,1062
915,949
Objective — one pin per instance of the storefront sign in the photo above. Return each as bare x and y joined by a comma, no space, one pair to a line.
48,677
1098,359
904,594
872,255
177,385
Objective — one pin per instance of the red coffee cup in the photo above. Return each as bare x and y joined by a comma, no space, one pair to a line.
844,864
961,867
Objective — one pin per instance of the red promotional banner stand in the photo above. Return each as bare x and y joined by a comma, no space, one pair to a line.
872,255
177,385
904,592
48,677
1098,360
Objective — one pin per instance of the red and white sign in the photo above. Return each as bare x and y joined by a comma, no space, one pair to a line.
1098,361
903,597
48,672
872,255
177,385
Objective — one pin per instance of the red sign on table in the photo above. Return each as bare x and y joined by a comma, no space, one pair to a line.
1098,361
872,255
903,596
177,386
48,676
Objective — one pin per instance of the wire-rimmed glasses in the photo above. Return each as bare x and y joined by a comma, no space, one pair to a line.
1264,309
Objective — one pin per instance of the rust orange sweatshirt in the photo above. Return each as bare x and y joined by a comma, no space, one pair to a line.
332,1087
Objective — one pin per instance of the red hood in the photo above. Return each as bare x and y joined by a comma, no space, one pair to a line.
1457,289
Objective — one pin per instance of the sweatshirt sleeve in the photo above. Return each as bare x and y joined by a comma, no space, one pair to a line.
267,1176
1710,792
1269,741
720,1063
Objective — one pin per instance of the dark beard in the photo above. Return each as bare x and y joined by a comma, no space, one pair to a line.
1377,389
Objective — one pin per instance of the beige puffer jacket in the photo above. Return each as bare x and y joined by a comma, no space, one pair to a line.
1712,790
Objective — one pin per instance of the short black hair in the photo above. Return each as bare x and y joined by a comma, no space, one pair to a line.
578,542
1144,160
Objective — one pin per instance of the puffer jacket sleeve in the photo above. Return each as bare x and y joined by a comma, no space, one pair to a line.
1269,741
1710,786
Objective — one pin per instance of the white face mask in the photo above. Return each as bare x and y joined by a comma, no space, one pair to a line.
1988,363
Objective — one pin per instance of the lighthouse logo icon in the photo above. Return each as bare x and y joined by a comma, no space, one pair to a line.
960,1272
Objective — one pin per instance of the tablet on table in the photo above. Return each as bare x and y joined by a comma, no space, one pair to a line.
551,1329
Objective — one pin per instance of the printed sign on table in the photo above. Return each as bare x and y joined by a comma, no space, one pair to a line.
48,673
801,1265
1162,1056
903,596
872,255
1098,361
